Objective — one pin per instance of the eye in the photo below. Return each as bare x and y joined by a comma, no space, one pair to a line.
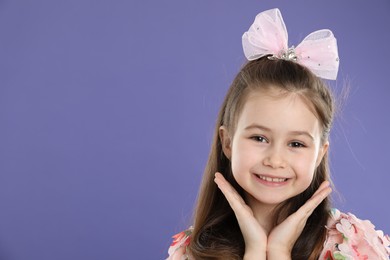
260,139
296,144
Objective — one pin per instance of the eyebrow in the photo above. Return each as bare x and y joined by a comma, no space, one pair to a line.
256,126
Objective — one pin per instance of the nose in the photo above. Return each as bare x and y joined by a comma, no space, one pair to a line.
274,158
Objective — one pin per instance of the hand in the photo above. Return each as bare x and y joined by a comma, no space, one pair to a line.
254,235
283,237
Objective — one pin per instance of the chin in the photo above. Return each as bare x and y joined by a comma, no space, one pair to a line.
271,201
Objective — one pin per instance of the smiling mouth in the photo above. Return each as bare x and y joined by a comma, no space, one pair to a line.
269,179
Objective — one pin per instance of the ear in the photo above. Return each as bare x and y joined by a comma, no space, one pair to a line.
322,151
225,141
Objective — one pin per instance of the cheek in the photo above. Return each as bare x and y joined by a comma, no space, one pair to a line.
243,158
305,169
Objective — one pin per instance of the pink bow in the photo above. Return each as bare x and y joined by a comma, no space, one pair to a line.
268,35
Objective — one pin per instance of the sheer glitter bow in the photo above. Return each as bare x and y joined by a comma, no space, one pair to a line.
268,35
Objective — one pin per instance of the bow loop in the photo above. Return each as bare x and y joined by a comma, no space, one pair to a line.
318,52
268,36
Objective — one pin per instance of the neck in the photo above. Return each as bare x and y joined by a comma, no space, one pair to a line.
262,212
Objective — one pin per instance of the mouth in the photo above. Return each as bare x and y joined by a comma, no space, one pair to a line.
270,179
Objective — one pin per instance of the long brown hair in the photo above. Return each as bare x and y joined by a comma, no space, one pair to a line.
216,233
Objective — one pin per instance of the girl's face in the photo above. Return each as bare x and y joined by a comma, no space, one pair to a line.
276,147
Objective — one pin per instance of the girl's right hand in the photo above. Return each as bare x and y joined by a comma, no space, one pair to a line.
254,235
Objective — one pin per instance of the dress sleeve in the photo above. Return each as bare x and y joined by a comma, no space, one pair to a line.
178,248
350,238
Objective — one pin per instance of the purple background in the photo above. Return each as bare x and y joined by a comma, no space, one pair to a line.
107,109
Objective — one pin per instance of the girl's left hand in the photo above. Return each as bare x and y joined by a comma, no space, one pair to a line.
283,237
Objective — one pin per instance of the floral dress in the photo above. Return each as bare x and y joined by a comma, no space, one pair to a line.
348,238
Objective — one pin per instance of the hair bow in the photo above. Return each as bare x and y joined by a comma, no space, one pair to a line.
268,35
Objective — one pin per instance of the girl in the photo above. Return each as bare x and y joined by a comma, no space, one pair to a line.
264,193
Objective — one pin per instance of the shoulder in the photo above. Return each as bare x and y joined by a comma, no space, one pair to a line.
352,238
178,248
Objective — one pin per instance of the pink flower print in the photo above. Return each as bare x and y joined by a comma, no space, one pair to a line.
181,239
361,240
346,229
352,238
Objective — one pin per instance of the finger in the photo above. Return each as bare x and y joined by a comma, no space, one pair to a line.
322,191
304,212
226,188
323,185
308,208
223,185
235,200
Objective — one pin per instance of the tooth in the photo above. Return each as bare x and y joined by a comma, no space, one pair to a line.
269,179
